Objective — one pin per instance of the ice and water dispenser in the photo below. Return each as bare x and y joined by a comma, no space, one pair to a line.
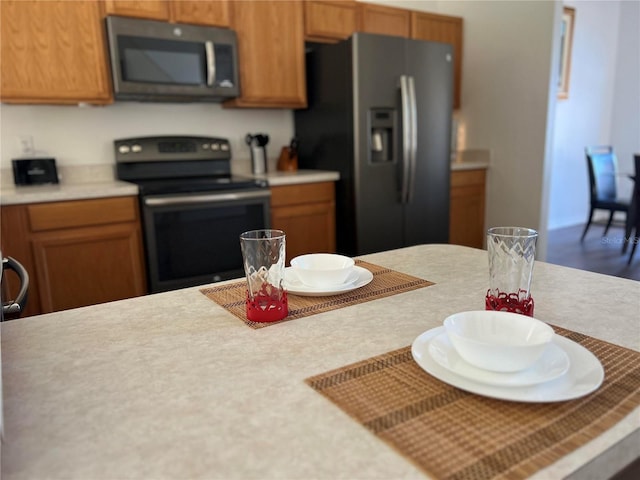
381,134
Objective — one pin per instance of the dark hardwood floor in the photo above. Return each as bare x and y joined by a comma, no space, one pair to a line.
596,254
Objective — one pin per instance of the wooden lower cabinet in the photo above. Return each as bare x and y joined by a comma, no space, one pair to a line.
77,253
306,213
467,204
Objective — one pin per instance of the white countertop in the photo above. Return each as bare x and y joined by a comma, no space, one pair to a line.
171,385
65,191
94,182
82,182
470,159
87,182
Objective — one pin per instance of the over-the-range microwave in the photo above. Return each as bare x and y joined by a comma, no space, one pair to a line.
171,62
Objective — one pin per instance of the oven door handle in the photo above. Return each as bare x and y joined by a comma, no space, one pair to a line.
208,198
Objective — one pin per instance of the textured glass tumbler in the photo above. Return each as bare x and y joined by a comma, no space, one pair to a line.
263,255
511,257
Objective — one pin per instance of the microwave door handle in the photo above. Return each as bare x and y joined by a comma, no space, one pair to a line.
211,63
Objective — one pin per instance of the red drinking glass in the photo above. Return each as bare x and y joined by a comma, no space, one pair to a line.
511,259
263,255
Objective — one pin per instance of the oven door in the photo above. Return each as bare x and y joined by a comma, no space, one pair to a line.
194,239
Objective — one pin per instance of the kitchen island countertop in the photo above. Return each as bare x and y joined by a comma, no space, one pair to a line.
172,385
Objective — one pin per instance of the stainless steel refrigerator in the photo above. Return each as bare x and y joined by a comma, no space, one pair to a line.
380,113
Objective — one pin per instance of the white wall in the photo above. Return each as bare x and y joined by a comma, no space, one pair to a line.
603,105
84,135
625,117
507,77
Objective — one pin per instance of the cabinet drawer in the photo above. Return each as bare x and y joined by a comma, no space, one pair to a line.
302,193
82,213
462,178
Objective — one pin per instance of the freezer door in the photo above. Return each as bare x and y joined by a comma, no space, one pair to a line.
426,213
379,63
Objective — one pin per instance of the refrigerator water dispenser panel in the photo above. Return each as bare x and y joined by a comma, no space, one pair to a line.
381,135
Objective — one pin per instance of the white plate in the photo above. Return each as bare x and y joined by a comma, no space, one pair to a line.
356,279
585,374
553,363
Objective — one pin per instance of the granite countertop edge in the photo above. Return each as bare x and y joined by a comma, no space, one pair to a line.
469,165
11,195
105,187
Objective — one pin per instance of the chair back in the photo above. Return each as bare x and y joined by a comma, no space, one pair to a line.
602,165
636,187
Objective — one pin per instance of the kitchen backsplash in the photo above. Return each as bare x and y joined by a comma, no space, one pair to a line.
84,135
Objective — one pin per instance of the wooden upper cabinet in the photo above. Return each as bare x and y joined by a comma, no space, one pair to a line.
384,20
445,29
271,54
151,9
197,12
53,52
326,20
213,12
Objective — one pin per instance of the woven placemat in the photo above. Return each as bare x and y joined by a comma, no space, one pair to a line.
386,282
455,435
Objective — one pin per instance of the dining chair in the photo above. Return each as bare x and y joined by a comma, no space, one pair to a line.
633,233
603,170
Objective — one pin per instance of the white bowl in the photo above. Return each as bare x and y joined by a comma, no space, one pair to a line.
498,341
322,269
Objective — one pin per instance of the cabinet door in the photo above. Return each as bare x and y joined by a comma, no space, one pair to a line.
14,240
76,252
79,267
213,12
445,29
466,224
151,9
271,54
329,19
306,213
384,20
53,52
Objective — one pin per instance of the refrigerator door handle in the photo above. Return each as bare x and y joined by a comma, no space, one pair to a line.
413,149
406,137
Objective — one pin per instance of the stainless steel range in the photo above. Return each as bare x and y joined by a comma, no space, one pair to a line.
193,208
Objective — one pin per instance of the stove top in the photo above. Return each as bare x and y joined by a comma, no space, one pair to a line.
164,165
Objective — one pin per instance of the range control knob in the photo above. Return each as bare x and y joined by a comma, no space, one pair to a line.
124,149
224,147
136,148
215,146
